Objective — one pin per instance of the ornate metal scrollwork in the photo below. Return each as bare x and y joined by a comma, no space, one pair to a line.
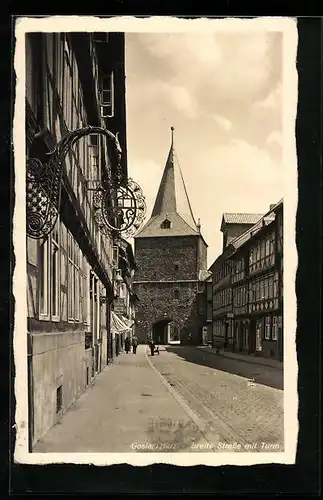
119,205
120,208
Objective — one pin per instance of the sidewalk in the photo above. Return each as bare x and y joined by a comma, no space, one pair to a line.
244,357
121,412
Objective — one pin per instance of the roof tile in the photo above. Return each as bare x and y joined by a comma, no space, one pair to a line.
241,218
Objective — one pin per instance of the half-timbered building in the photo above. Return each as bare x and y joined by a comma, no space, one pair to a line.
248,289
72,80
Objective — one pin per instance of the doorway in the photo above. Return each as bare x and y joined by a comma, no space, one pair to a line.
160,332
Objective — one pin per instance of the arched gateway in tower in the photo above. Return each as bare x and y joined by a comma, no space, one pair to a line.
171,257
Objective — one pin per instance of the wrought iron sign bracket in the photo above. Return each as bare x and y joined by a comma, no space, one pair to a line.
119,205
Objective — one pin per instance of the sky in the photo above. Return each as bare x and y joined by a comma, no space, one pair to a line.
222,93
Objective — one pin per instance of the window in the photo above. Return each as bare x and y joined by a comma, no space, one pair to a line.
176,267
107,96
267,328
275,328
82,316
59,398
67,90
49,276
280,233
262,290
258,252
262,254
238,270
251,256
266,288
176,294
94,155
93,283
74,276
166,224
272,245
77,285
55,271
270,287
244,295
275,286
43,278
262,249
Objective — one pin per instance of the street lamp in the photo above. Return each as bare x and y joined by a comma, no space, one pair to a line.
117,280
119,204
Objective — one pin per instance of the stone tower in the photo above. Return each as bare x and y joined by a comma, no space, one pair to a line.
171,258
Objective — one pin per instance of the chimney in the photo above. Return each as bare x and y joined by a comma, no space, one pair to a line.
198,225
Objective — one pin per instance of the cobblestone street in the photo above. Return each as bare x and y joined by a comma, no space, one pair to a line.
232,396
182,400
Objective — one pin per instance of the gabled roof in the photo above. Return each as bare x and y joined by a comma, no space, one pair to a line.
178,227
240,218
237,242
171,203
246,235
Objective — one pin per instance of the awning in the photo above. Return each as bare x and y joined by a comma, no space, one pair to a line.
128,322
118,324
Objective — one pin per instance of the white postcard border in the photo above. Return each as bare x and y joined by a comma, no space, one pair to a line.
290,94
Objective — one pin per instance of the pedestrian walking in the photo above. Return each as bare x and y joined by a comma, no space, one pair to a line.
127,345
134,344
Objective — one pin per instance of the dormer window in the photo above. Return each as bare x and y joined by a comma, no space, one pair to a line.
166,224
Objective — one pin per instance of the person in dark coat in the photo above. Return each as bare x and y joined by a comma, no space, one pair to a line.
151,344
134,344
127,344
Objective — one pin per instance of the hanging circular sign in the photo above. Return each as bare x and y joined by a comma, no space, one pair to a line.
120,208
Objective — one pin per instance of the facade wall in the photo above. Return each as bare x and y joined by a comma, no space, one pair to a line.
58,361
166,258
202,254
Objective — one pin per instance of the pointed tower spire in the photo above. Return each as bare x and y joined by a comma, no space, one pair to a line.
172,199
